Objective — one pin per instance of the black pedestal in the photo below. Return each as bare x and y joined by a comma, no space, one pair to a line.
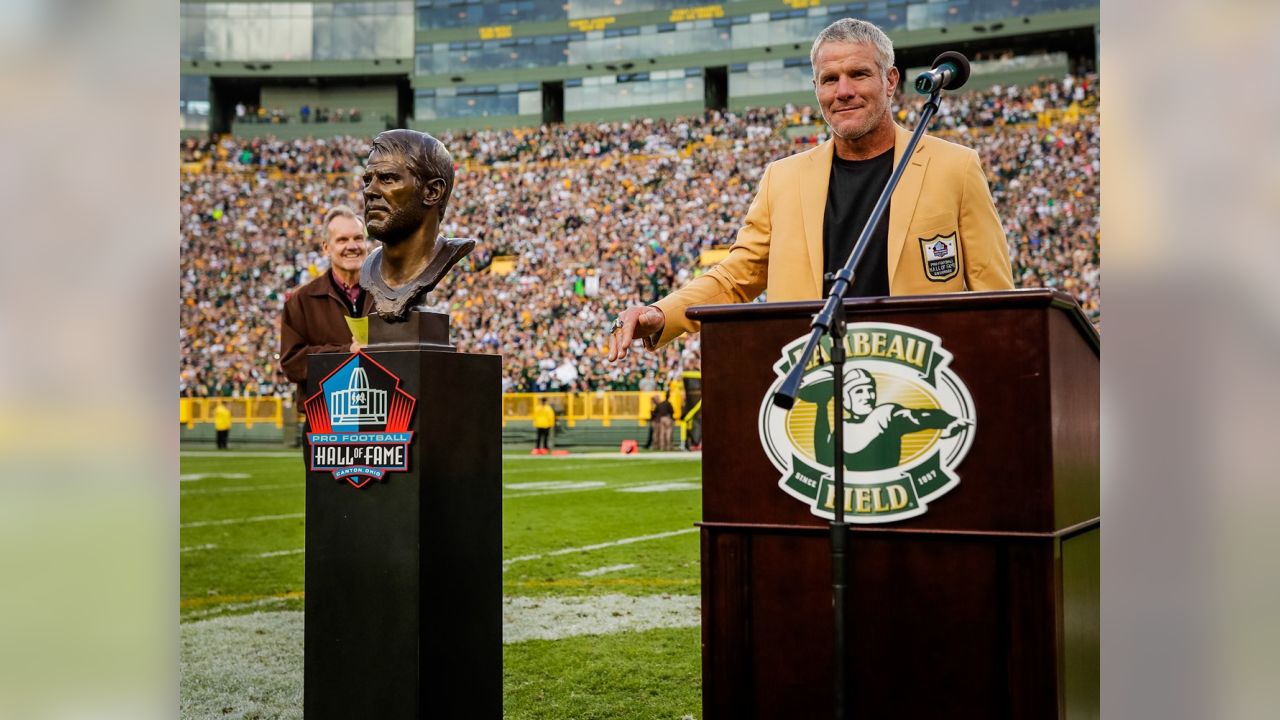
404,574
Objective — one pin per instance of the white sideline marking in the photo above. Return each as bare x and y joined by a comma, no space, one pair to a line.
580,466
609,569
556,485
206,612
191,477
239,454
610,455
507,456
237,521
604,487
193,548
241,488
278,553
660,487
600,546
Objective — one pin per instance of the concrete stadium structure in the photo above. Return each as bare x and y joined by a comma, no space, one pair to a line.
459,64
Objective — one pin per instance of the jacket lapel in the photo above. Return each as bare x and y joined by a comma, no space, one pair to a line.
903,204
813,207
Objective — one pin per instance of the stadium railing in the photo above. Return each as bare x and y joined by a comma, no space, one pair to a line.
244,411
606,407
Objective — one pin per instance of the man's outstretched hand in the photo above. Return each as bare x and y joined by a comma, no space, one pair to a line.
637,322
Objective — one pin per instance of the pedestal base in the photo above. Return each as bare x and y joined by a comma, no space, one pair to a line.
404,574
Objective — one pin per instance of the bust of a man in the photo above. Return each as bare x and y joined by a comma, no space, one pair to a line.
407,181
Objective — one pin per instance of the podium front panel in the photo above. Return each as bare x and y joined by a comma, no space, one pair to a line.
964,611
1001,350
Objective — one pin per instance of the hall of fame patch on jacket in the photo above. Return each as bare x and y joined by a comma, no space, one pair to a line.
941,258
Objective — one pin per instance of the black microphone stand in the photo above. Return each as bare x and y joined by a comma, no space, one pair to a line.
831,321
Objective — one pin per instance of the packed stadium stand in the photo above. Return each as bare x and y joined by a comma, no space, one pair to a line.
574,222
606,152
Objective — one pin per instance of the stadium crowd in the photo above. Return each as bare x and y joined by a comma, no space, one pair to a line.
594,217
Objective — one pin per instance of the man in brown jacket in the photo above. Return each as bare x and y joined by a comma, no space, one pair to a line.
316,315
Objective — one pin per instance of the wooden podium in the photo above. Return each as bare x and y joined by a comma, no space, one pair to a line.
985,606
404,573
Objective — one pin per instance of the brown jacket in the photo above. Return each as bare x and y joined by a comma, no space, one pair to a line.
314,321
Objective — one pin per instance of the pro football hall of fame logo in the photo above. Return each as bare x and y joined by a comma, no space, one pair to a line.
359,422
908,423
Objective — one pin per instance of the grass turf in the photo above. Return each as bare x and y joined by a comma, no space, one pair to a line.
573,527
638,676
633,675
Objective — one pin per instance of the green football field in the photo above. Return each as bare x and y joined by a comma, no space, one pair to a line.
600,585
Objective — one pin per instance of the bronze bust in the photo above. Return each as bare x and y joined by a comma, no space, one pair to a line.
407,182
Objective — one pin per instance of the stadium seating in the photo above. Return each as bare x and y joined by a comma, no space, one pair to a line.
588,219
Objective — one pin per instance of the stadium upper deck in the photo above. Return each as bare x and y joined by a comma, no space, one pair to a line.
457,64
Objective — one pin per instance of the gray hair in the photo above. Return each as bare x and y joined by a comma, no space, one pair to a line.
338,211
850,30
426,157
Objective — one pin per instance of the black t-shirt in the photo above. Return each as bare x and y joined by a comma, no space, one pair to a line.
851,195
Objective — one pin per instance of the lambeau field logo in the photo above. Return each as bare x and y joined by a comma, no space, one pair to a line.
909,421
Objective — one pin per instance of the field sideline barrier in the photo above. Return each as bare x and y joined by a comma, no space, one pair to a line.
604,406
607,406
244,411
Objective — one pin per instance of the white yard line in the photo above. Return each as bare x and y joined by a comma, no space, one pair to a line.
192,477
194,548
245,488
506,456
657,487
608,569
237,521
241,454
556,485
602,456
278,553
218,609
600,546
643,455
564,551
580,466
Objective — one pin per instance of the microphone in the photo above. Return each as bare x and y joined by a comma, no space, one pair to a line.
950,72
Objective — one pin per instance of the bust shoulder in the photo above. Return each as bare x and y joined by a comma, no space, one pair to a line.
393,303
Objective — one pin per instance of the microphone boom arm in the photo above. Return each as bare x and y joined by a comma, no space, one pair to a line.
830,321
822,323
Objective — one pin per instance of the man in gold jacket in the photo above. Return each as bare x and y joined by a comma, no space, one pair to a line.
942,233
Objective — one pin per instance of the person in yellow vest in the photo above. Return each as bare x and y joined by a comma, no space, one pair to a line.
222,424
544,418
